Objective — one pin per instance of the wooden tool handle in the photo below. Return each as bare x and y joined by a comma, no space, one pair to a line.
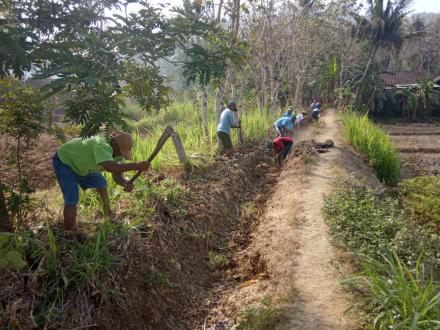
164,137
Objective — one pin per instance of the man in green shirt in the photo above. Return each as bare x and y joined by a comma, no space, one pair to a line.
79,162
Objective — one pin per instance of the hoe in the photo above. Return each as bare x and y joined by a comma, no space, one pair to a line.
168,132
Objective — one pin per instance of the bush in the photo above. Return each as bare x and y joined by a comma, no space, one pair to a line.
375,144
421,197
217,261
397,286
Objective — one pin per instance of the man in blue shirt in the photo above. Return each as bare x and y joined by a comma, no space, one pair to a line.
289,112
225,123
284,126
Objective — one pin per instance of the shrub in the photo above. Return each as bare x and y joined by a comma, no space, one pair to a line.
375,144
421,197
217,261
389,247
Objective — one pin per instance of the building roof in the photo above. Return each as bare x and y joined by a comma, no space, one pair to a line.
403,77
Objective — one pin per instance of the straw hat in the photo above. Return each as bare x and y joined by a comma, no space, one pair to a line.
125,144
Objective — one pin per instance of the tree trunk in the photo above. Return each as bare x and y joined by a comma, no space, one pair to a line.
20,184
205,111
260,102
5,220
218,104
219,11
370,60
298,92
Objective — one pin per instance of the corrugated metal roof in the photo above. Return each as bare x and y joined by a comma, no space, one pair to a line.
403,77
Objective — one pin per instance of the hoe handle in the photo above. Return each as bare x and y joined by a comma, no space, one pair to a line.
164,137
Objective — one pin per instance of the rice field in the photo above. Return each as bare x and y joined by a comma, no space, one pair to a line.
418,147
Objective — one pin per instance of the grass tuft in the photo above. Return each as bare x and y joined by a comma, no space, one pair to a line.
264,317
375,144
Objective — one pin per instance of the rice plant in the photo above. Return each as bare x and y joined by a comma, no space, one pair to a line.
375,144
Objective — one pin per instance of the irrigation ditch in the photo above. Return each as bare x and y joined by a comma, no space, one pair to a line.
168,266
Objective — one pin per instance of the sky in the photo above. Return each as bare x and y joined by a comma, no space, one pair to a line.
427,6
419,6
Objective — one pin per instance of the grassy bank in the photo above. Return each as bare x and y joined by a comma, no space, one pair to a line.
374,144
185,118
81,283
396,254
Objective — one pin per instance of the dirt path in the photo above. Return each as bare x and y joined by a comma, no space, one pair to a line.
319,302
290,258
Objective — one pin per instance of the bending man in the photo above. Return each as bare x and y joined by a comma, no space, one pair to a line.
284,125
281,147
79,162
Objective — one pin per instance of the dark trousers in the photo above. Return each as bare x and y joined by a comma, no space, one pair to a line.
287,146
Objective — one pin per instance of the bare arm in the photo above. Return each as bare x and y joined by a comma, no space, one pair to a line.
116,168
119,179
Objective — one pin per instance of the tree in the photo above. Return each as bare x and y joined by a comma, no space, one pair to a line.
21,117
96,59
383,26
207,50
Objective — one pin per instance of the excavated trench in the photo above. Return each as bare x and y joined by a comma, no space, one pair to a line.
194,251
171,266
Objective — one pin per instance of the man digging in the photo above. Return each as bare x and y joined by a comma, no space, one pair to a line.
79,162
226,122
281,147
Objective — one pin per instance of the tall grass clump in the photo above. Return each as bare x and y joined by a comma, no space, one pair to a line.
400,297
375,144
185,119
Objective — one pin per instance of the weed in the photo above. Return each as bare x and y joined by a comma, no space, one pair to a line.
158,279
421,197
264,317
361,219
375,144
217,261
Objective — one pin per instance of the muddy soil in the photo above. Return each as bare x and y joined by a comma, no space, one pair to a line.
290,258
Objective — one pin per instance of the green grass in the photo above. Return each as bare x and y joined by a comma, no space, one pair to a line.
263,317
185,119
375,144
398,296
421,197
398,257
361,219
217,261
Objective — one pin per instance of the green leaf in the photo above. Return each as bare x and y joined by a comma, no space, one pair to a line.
3,241
4,263
15,259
